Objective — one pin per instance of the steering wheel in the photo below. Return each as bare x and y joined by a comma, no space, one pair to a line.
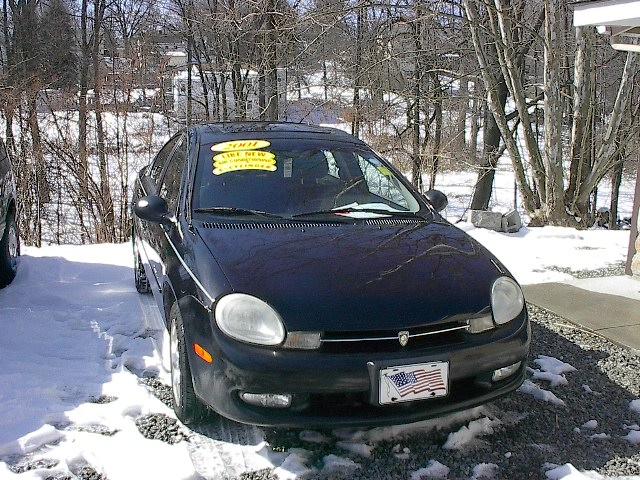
349,186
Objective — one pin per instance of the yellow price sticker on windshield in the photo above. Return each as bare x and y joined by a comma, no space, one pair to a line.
384,171
237,145
243,155
244,160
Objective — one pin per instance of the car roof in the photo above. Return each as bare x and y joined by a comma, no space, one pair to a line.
220,131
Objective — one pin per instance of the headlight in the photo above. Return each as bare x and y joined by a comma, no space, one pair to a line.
507,300
249,319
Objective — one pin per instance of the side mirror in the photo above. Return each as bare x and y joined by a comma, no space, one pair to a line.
153,209
437,199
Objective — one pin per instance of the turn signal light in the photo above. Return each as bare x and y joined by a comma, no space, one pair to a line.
202,353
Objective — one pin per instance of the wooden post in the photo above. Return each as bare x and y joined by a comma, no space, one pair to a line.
634,225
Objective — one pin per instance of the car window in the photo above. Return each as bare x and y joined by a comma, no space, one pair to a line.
296,176
159,163
381,182
170,187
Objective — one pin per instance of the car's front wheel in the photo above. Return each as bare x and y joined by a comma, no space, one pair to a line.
186,404
9,252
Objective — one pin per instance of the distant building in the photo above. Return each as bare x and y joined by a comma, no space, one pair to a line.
250,101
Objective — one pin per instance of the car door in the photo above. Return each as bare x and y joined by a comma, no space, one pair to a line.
148,183
169,189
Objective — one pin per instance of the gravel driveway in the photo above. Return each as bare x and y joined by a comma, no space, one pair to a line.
587,424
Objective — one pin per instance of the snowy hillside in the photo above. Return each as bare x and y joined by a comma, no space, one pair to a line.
82,385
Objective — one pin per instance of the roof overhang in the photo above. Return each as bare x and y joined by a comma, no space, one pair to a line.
620,19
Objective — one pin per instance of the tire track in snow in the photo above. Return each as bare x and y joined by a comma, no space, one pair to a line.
226,449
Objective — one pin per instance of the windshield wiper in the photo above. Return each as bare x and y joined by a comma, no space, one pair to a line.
235,211
379,211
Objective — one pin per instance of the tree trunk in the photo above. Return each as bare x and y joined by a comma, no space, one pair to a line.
581,132
416,171
493,102
437,136
461,119
605,156
476,113
82,117
273,109
554,196
355,123
107,230
616,180
490,152
42,184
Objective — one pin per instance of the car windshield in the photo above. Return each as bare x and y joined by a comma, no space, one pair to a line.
293,177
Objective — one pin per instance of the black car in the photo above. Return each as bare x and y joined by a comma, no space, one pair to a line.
305,283
9,240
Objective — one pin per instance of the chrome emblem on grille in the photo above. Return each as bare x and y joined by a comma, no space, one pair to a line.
403,337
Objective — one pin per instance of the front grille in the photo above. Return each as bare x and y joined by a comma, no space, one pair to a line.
427,336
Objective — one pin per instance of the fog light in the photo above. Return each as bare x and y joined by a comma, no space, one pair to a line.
504,372
480,324
271,400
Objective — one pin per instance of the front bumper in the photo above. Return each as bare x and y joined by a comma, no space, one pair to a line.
341,389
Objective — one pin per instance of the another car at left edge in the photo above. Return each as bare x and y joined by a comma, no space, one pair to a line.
9,239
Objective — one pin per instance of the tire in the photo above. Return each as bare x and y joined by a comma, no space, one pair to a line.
9,252
139,275
187,406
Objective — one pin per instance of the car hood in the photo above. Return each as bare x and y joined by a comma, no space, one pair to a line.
356,277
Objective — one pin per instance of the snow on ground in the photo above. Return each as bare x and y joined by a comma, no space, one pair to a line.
76,340
624,286
533,255
74,336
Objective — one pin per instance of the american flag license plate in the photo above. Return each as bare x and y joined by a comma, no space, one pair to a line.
419,381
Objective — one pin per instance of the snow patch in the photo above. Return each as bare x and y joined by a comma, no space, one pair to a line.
379,434
361,449
31,441
553,365
634,406
591,424
295,465
554,380
434,469
334,463
530,388
482,426
633,437
569,472
485,471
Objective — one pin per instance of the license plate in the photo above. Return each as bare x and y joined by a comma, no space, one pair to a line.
420,381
